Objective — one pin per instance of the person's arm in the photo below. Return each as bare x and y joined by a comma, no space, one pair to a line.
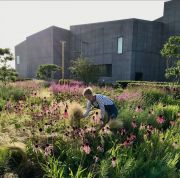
100,101
88,109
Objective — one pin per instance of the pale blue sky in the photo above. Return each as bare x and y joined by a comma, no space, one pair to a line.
20,19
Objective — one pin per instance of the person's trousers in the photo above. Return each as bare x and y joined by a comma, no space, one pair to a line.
111,111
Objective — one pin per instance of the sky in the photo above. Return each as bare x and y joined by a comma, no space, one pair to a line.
19,19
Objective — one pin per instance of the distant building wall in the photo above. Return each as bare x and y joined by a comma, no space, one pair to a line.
142,41
21,55
39,50
42,48
147,43
98,42
59,35
172,17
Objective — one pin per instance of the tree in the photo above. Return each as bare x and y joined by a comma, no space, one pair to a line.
171,51
6,72
84,70
47,71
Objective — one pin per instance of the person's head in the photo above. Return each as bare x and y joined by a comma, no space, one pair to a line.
88,94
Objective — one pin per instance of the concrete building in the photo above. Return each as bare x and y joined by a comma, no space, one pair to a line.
127,49
42,48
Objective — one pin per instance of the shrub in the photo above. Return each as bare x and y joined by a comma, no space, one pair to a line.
47,71
84,70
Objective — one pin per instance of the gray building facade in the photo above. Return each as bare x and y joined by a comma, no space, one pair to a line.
127,49
43,47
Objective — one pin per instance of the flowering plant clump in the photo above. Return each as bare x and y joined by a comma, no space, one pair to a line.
126,96
67,92
29,85
76,83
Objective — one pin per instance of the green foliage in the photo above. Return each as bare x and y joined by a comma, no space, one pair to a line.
53,168
4,51
84,70
2,104
153,96
47,71
4,155
17,158
172,48
169,112
174,72
79,173
171,51
6,73
104,168
12,158
12,93
166,86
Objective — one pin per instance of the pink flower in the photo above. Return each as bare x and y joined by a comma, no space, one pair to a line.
142,127
127,143
73,89
113,162
122,131
172,123
36,148
175,145
133,124
149,127
100,148
65,113
132,137
138,109
106,130
101,121
96,118
8,105
86,148
53,134
48,150
128,96
160,119
96,158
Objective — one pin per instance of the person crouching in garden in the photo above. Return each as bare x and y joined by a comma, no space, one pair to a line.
101,102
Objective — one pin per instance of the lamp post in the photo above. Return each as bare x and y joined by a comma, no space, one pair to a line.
62,51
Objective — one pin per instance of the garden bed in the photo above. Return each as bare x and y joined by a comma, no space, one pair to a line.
38,138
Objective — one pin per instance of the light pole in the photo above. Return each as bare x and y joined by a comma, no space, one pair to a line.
62,51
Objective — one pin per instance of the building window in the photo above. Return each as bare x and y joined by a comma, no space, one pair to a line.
120,45
17,60
138,76
105,70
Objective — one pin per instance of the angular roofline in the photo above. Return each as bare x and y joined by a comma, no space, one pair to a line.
20,43
130,19
102,22
51,27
